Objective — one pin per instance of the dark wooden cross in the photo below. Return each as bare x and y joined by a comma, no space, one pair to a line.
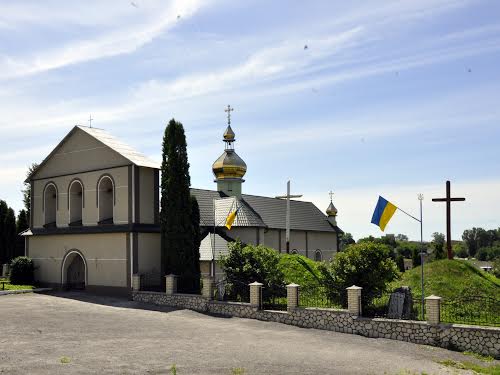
448,201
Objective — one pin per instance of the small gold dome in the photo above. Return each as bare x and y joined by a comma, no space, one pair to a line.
229,134
229,165
331,210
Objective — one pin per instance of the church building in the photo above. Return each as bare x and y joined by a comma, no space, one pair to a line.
95,215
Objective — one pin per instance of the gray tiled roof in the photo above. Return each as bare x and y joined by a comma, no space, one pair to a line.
272,211
207,245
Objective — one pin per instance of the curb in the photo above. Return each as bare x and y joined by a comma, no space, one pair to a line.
23,291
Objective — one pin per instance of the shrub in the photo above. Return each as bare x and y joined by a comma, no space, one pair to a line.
293,270
496,268
22,271
248,263
367,265
460,251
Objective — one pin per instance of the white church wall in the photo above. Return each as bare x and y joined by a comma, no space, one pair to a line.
271,238
105,255
149,254
90,211
80,152
146,192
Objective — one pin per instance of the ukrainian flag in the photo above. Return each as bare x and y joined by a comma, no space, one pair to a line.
383,212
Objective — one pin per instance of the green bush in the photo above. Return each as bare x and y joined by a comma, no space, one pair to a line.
293,271
365,264
22,271
248,263
496,267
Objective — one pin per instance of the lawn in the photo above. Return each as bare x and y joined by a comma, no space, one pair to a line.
6,285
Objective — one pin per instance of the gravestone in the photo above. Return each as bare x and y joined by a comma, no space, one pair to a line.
400,304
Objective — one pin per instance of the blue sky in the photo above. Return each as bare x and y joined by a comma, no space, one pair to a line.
389,98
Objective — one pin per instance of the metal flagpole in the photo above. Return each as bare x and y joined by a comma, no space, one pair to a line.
421,198
212,265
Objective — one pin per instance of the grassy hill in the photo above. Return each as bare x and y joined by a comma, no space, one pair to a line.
451,279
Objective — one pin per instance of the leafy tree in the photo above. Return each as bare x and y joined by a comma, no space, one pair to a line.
415,256
496,267
488,253
402,237
22,271
460,250
438,245
406,249
366,264
27,190
400,262
248,263
179,253
346,240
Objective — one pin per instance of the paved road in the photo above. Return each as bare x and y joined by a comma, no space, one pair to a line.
104,335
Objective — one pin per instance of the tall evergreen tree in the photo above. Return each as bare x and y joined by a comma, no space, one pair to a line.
27,191
21,225
3,233
7,233
179,253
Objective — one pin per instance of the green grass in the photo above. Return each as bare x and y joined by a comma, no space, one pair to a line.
451,279
479,369
65,360
9,286
295,273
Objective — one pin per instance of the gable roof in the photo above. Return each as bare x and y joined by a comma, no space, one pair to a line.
271,211
122,149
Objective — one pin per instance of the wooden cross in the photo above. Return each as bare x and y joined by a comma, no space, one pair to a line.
90,120
228,110
448,201
287,225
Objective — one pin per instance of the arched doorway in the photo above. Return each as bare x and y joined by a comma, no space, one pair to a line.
74,271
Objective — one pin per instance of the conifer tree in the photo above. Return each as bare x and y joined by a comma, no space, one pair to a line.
21,225
180,256
7,233
3,233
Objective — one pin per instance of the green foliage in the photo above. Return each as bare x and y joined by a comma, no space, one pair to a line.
406,249
173,369
477,238
415,256
496,268
438,245
365,264
179,232
7,233
293,270
246,264
27,190
65,360
22,271
451,279
346,240
466,365
488,253
460,250
400,262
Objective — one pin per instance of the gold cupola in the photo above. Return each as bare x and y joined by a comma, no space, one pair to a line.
229,168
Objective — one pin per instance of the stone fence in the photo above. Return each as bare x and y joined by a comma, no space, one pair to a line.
483,340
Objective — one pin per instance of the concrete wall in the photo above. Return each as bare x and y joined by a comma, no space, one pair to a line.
149,257
79,153
106,256
147,195
90,212
484,340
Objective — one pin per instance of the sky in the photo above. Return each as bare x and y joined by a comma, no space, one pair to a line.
364,98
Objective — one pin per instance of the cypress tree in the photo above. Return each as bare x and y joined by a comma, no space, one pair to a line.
27,191
10,234
3,233
21,225
179,255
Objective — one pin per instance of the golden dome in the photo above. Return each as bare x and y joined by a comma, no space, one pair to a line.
331,210
229,165
229,134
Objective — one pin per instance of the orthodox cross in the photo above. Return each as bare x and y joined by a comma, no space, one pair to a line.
331,195
287,197
90,120
448,201
228,110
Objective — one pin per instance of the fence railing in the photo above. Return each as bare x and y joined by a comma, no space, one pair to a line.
477,310
152,282
380,308
233,291
317,296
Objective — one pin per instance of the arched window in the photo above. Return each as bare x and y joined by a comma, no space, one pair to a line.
50,205
105,199
75,199
318,257
294,251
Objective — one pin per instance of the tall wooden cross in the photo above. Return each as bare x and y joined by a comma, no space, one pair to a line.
228,110
448,201
287,225
90,120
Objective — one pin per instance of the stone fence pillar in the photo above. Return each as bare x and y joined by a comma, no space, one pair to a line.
354,300
208,287
433,309
5,270
256,294
136,282
292,296
170,284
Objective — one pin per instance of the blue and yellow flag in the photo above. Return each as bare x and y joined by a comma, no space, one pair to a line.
383,212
